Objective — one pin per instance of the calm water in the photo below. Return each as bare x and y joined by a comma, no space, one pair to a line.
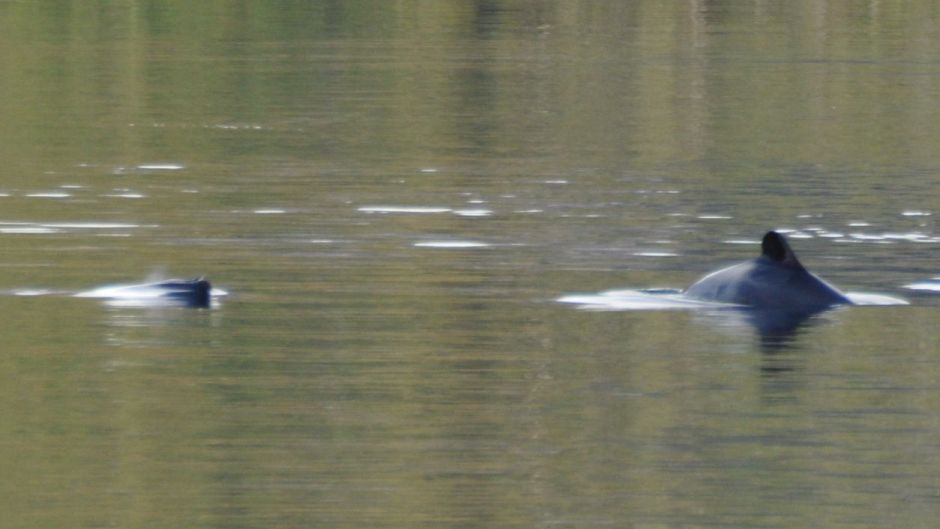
396,194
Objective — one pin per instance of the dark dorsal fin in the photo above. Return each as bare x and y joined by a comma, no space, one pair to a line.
774,247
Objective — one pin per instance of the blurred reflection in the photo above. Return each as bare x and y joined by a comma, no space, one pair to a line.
776,329
160,326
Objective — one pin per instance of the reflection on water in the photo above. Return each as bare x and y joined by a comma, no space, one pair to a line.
396,194
776,329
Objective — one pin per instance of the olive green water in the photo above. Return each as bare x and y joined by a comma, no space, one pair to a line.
395,194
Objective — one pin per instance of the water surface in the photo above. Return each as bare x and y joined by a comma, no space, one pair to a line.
396,194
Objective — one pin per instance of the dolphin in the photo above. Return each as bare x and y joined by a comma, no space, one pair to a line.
171,292
776,280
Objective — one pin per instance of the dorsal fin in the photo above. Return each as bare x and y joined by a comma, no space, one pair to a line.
775,247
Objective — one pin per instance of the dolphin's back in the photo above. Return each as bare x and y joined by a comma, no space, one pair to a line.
765,283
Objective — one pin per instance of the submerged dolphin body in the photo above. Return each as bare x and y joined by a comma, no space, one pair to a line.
776,280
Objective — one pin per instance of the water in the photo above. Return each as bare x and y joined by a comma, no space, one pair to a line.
396,194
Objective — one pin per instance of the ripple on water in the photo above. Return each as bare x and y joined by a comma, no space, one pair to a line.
26,230
49,194
148,168
926,285
891,237
452,244
714,217
90,225
44,228
403,209
478,212
161,167
123,193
